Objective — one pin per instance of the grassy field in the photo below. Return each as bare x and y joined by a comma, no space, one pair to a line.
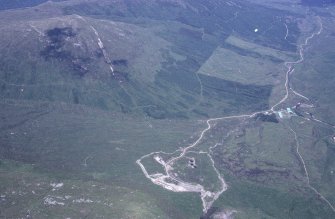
71,129
81,147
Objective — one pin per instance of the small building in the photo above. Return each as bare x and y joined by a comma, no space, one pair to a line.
280,114
289,110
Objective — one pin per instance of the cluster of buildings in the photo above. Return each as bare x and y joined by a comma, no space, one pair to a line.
283,114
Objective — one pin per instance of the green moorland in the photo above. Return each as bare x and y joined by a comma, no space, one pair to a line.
71,130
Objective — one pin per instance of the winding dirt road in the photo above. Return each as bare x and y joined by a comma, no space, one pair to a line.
170,181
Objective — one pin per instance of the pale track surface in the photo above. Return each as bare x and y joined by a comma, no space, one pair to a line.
100,44
107,58
301,159
171,182
181,186
286,35
290,68
287,87
161,179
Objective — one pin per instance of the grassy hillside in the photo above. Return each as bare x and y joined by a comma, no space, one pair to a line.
156,56
89,87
